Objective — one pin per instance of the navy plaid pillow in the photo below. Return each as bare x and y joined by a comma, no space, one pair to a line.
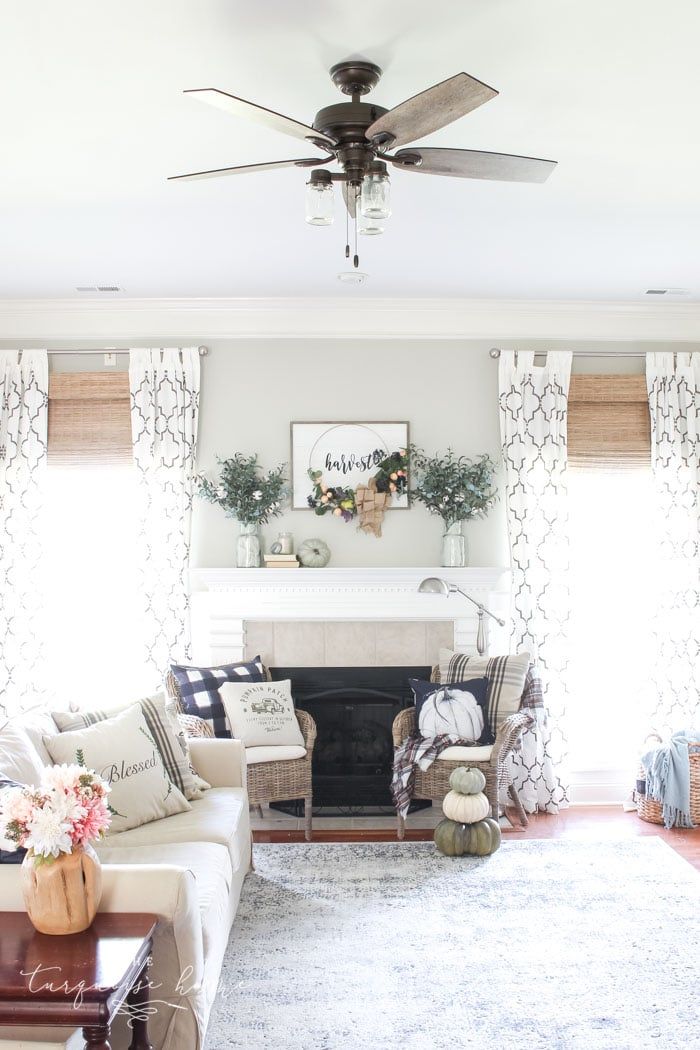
199,689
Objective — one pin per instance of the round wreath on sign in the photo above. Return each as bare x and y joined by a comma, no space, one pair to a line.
369,501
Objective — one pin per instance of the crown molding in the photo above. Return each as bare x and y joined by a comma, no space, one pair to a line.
61,320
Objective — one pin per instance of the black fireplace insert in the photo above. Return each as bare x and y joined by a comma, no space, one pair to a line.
353,708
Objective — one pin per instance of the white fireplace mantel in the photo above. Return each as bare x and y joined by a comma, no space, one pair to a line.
224,599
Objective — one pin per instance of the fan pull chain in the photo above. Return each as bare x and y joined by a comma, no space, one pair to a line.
356,257
347,233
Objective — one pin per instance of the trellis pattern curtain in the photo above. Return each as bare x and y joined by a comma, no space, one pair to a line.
673,384
24,381
533,416
164,387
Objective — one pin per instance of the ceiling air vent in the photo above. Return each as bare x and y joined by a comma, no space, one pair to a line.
667,291
99,288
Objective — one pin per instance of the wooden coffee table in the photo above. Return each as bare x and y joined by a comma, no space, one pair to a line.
79,980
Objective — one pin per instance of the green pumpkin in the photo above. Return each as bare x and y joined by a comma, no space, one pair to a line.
451,838
467,781
484,837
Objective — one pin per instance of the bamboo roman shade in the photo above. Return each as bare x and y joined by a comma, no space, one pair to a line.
608,422
89,418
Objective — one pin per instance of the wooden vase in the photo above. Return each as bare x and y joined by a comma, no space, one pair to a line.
62,896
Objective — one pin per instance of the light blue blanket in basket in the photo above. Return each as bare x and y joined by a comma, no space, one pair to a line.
668,777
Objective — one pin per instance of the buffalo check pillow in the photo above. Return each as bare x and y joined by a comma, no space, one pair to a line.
199,689
506,680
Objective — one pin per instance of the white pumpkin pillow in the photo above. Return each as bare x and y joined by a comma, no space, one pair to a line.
457,709
261,714
124,753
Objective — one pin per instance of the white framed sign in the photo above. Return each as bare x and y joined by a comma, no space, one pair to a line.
347,454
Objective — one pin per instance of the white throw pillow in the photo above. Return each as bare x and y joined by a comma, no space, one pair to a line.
123,752
261,714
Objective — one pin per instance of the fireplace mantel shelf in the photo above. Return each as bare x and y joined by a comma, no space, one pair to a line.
224,599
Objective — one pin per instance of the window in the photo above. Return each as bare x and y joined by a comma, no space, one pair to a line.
612,558
94,643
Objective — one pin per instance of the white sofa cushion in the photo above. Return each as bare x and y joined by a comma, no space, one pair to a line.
14,1037
19,759
457,753
214,818
273,754
209,862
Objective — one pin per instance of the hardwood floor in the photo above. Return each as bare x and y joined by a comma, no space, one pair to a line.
592,822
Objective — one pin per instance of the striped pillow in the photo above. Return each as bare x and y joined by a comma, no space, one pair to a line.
198,689
164,732
505,674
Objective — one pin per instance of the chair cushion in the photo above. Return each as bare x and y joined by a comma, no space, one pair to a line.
457,753
213,818
280,753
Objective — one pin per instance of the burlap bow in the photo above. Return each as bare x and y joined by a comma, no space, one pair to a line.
371,506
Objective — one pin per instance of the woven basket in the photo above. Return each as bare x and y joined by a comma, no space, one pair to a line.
651,810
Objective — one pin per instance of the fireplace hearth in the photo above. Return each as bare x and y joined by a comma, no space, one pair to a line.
353,708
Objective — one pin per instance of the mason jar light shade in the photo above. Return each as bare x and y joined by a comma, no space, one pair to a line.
375,198
319,199
368,227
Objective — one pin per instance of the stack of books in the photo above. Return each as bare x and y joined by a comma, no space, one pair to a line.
281,561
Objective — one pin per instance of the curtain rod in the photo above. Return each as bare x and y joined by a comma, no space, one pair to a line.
495,353
203,350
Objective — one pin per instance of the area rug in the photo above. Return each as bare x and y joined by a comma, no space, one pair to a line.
547,945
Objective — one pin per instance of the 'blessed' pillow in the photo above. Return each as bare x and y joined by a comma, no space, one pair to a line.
261,713
457,709
164,729
124,753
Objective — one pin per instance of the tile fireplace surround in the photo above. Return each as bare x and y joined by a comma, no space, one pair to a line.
331,617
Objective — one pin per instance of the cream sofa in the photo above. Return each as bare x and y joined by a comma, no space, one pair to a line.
188,869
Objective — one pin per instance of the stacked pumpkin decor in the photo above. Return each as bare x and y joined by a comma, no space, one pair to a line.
467,828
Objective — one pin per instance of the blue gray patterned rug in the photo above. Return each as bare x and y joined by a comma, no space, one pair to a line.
547,945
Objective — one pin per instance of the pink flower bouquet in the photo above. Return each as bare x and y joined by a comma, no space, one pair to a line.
67,811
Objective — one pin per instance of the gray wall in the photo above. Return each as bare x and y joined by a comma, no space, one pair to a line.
251,390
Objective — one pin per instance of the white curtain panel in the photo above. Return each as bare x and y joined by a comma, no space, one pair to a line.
164,415
24,377
533,413
673,384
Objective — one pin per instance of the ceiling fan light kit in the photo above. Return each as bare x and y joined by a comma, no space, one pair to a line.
358,136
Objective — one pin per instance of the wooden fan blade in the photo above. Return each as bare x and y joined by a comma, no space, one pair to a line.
430,110
474,164
350,198
247,169
238,107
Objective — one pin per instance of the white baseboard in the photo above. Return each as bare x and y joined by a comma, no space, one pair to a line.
600,787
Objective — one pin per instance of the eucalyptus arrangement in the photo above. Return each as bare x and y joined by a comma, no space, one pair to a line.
250,496
457,489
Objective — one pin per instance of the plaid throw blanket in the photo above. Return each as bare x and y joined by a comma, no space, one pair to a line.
417,753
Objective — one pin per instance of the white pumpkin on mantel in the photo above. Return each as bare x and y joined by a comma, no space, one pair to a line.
314,554
465,809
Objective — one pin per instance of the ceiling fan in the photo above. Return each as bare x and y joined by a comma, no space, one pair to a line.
362,136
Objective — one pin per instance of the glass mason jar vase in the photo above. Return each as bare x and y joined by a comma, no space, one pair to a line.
454,546
248,548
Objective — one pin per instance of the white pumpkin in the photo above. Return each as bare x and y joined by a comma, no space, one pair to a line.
465,809
314,554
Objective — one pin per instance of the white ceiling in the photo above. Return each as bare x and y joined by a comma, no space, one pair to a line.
92,120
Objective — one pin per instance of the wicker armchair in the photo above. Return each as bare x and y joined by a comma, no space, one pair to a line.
278,781
434,783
